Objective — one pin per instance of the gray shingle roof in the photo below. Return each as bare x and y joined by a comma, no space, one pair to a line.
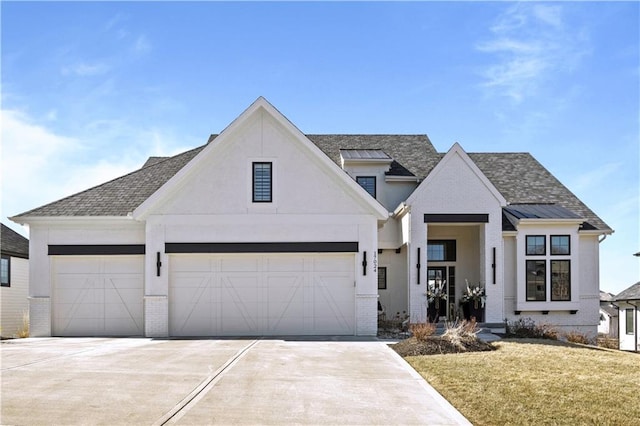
413,153
631,293
521,179
12,243
119,196
517,176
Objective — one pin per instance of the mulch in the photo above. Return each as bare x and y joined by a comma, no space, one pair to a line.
437,345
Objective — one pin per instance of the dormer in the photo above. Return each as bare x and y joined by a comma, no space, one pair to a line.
366,166
374,169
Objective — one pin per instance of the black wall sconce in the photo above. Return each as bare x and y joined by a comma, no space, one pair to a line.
418,266
158,264
364,263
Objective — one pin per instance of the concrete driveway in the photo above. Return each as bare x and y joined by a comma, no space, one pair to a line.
217,381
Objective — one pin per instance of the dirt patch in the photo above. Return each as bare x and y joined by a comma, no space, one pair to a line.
437,345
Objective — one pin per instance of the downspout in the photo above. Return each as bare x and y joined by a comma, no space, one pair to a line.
601,239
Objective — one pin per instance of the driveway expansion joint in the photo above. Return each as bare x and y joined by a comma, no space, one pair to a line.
180,409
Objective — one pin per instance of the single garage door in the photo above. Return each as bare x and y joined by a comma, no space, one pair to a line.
97,295
235,295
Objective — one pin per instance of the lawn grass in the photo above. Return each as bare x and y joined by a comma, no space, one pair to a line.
538,382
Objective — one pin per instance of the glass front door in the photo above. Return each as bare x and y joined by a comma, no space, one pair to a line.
444,276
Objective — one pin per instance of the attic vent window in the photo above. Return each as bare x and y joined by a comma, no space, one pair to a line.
262,182
368,183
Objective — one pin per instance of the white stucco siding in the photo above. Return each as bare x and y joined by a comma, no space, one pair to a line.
13,300
456,186
257,228
578,289
584,272
395,297
221,183
67,231
510,275
389,236
211,202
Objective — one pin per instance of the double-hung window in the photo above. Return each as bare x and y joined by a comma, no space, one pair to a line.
262,182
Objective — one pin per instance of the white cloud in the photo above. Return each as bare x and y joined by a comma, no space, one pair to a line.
84,69
142,44
40,166
530,43
595,177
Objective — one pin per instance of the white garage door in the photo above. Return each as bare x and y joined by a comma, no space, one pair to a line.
235,295
97,296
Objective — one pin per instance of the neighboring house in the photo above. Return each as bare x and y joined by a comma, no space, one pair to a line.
14,281
608,325
628,302
267,231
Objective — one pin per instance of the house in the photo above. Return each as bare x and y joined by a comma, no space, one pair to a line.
14,281
266,230
628,302
608,325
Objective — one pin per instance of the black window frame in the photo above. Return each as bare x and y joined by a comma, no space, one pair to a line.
375,184
630,324
380,269
536,291
255,184
544,247
551,246
449,250
8,260
554,298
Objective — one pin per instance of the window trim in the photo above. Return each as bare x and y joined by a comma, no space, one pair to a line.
253,181
629,321
551,261
380,268
8,259
551,245
375,184
526,245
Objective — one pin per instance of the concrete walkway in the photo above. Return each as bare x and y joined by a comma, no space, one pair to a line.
234,381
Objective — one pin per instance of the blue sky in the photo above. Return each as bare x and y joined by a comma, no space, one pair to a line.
90,90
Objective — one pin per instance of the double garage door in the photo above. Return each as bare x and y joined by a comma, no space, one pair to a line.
209,295
233,295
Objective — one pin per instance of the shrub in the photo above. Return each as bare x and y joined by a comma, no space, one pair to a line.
526,328
575,336
422,330
461,334
608,342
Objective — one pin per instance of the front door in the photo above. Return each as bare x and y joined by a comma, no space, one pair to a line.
444,276
437,276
